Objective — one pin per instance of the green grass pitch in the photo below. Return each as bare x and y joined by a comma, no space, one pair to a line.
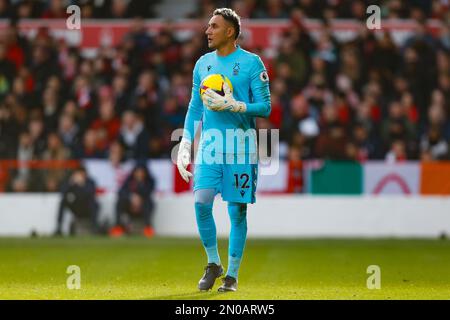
169,268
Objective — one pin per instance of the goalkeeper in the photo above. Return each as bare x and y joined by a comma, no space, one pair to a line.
233,171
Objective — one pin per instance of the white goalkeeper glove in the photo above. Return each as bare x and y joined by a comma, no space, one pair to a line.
184,158
215,102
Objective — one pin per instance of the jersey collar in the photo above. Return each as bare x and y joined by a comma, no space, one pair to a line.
238,48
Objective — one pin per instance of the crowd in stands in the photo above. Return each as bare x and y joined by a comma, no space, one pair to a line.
90,9
254,9
363,99
327,9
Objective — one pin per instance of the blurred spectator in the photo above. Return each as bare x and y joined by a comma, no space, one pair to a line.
419,69
172,118
120,93
365,148
407,101
244,8
295,173
332,140
289,59
55,151
137,43
313,9
116,154
437,118
87,9
69,132
37,136
107,126
9,133
135,198
17,48
434,141
317,93
301,128
133,136
51,108
5,9
43,67
146,98
78,197
23,177
119,9
56,9
91,149
398,127
7,71
397,152
332,143
84,95
434,144
28,9
118,165
272,9
444,38
351,65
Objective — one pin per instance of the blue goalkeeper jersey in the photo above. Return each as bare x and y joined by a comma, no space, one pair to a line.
250,83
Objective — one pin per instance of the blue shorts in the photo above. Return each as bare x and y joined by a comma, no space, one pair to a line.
235,182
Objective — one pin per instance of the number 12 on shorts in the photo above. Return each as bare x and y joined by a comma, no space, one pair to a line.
243,178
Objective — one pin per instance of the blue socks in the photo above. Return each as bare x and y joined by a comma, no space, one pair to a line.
207,231
208,235
238,235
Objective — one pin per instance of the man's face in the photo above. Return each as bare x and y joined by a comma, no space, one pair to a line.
79,178
139,174
219,32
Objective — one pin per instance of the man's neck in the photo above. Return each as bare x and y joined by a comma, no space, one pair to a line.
227,49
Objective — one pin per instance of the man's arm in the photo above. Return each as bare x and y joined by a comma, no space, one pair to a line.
195,108
259,84
193,117
91,186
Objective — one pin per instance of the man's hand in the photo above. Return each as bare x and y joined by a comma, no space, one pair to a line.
183,159
215,102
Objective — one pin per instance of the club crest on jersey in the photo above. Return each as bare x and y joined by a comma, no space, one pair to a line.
264,76
236,69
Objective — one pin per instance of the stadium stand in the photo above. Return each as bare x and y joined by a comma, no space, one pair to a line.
367,98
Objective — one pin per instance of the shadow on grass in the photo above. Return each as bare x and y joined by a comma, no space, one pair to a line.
196,295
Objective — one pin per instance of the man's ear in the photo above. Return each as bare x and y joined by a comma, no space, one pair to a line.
230,31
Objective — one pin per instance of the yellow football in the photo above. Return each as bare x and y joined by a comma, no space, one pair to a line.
215,82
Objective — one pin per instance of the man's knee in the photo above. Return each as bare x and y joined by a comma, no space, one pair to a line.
204,196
